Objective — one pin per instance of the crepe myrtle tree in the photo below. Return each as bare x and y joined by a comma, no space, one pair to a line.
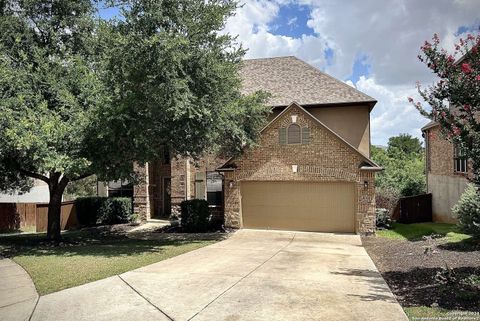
81,95
455,98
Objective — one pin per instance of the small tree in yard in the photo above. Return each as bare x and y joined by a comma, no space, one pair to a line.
455,97
81,96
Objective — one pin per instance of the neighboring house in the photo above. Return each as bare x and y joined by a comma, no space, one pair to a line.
447,171
310,172
39,193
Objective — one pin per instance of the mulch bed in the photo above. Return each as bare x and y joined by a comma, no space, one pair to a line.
416,271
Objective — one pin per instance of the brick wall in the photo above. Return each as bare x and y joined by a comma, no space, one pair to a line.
326,158
141,197
440,154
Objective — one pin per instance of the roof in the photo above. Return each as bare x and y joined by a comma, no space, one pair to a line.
431,124
369,164
291,79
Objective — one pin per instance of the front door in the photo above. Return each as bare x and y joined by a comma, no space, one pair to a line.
167,200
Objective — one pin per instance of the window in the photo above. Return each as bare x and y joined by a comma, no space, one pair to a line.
460,160
214,188
293,134
120,189
209,185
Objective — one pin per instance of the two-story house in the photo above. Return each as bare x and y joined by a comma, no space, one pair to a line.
311,170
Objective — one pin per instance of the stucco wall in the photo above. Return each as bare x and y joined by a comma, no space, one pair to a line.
446,191
325,158
352,123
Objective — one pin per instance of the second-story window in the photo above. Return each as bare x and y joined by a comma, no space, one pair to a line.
294,134
460,160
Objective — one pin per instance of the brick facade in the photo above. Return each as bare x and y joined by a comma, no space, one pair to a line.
325,159
141,197
440,153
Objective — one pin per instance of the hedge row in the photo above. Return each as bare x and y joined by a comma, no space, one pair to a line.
104,210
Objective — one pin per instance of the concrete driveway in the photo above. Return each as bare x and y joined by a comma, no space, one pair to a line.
253,275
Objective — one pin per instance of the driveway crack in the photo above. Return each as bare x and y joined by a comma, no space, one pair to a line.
243,278
143,297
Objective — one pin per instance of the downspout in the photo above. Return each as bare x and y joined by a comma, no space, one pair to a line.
425,136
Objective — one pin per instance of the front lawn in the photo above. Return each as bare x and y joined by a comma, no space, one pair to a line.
429,313
91,254
433,269
413,232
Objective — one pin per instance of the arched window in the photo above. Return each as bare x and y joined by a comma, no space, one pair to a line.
294,134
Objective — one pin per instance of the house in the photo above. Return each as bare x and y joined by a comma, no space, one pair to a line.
39,193
310,172
447,171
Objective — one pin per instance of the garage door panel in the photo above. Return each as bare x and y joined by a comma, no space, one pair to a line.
305,206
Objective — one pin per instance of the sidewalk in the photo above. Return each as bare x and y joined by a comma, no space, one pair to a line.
18,296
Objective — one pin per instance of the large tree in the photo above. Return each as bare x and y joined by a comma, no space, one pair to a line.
82,96
403,161
454,100
406,143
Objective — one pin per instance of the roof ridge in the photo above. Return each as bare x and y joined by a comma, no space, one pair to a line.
265,58
334,79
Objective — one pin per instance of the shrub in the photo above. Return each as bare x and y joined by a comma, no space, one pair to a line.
87,210
103,210
195,215
115,211
384,221
412,187
467,210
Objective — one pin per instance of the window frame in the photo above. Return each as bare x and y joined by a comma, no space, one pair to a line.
294,125
460,160
219,193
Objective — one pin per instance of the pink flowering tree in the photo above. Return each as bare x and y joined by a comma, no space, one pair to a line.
454,100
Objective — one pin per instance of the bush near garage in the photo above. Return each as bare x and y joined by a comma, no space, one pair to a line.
195,216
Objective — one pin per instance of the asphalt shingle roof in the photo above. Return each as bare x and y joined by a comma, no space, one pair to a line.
290,79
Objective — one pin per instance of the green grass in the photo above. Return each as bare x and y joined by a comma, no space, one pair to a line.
428,313
87,257
412,232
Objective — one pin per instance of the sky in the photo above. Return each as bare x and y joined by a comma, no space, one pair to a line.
370,44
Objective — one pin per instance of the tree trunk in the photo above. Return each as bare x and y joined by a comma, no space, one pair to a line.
54,209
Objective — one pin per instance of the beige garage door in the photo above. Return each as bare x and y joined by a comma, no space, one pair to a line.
299,206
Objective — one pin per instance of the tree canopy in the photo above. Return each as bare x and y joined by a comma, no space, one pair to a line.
403,164
406,143
81,95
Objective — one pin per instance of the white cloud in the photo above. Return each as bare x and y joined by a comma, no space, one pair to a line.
388,33
252,25
393,114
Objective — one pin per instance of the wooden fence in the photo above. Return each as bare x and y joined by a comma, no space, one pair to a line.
413,209
68,218
18,216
